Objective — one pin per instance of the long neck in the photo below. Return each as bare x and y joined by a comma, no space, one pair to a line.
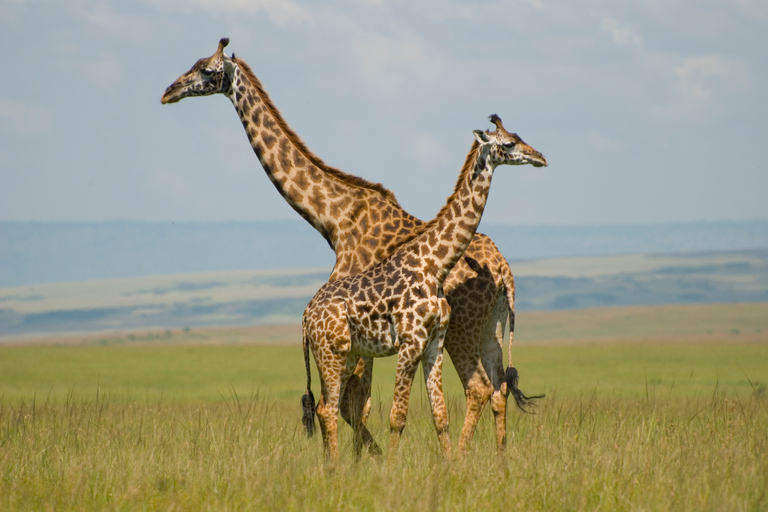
445,238
319,193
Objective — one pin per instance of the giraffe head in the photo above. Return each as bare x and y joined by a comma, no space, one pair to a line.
501,147
208,76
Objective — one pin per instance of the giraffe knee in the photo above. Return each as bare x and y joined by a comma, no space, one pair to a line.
366,410
397,421
441,423
499,402
323,412
479,393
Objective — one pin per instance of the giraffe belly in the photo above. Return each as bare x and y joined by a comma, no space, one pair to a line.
375,337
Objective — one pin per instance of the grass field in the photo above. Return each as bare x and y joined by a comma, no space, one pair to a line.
646,409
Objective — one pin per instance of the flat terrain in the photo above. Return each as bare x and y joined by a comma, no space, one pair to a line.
647,408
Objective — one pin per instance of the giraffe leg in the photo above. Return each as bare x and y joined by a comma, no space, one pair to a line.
321,420
365,401
351,411
432,362
355,406
330,367
465,355
499,407
327,413
407,364
480,375
478,391
492,355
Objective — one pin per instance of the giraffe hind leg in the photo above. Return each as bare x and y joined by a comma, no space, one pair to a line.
355,406
330,367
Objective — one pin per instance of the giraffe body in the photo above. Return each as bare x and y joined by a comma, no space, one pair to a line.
363,223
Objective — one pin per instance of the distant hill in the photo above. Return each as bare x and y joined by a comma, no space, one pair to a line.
248,297
53,252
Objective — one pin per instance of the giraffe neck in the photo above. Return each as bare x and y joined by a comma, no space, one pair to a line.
445,238
316,191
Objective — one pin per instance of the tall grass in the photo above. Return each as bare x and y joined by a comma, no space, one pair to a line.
194,424
594,452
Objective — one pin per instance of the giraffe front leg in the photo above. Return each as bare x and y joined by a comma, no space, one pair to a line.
407,363
432,362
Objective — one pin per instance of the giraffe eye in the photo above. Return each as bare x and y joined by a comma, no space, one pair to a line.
509,145
207,72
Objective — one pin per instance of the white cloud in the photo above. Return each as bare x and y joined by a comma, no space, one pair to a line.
603,143
282,12
451,11
694,87
536,4
700,79
20,117
171,182
755,9
621,33
427,150
694,75
104,72
103,18
389,63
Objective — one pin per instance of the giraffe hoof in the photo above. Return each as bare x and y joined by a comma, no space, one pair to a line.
374,449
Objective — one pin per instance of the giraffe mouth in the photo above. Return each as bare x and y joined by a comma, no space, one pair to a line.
174,93
533,157
168,96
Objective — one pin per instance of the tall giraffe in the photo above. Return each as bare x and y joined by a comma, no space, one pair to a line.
363,223
397,306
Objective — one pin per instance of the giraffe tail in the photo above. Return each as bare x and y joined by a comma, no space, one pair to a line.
308,400
511,376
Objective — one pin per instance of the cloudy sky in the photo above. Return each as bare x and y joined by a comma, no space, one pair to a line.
648,111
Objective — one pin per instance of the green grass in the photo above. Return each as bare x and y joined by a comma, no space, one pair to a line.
634,419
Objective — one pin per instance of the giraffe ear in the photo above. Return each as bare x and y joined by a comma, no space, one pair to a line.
481,136
229,66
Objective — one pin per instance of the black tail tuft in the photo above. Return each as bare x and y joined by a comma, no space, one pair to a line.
521,399
308,410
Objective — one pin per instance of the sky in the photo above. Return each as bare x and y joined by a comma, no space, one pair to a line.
648,111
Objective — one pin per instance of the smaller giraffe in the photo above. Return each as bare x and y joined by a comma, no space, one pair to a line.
398,306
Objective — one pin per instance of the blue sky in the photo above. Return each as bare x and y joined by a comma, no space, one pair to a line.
648,111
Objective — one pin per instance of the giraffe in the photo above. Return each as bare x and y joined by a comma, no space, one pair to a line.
363,223
398,306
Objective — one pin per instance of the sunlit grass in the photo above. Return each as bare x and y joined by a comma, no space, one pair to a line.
626,425
596,452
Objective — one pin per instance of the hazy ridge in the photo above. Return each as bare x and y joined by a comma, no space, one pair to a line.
249,297
51,252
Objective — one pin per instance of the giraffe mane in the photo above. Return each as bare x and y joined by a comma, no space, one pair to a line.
349,179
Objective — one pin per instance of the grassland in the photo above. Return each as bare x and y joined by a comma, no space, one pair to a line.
646,409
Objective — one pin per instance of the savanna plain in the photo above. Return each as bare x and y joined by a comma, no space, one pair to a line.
646,408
